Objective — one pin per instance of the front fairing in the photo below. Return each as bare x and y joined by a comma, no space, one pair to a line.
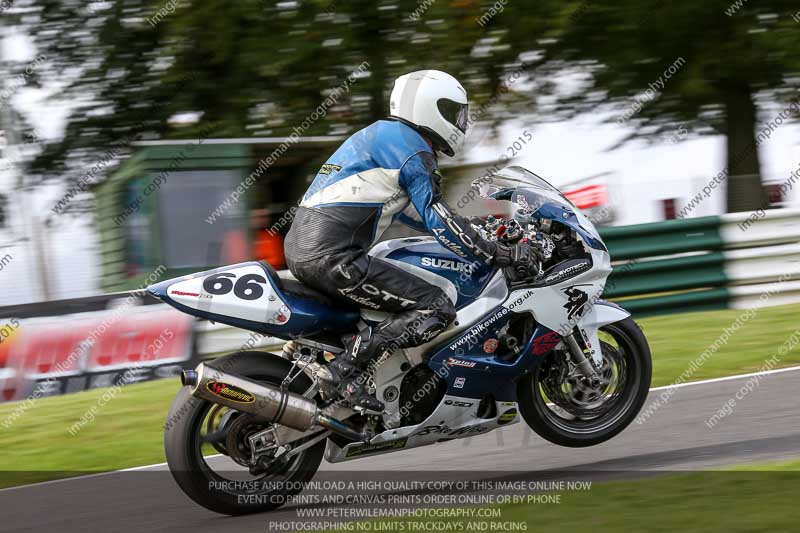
568,215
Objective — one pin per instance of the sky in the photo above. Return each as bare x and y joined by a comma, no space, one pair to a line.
641,173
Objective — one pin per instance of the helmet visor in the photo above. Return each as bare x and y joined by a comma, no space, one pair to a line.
454,113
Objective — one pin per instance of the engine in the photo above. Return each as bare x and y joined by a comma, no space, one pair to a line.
422,389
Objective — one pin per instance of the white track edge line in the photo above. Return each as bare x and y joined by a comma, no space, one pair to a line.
726,378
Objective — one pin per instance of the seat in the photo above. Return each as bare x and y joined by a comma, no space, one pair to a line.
295,288
315,315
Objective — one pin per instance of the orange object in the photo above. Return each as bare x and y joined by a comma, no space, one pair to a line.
268,246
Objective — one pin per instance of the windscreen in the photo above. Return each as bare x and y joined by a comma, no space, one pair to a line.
513,180
525,189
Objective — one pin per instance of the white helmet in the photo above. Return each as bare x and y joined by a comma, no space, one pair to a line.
434,103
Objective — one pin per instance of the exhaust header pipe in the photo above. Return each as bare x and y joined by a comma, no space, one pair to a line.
262,399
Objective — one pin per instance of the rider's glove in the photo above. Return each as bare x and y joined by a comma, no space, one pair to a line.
522,260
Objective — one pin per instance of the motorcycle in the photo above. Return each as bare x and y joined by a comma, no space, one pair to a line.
248,430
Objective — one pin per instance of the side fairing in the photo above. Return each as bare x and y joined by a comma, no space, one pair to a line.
425,257
560,304
469,362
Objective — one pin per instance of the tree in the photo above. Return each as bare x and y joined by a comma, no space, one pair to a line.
706,66
103,61
247,68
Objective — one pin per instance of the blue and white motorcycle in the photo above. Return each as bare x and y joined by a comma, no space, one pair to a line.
575,367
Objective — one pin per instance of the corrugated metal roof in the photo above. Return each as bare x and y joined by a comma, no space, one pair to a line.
314,139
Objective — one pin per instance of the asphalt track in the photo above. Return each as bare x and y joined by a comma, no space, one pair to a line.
763,426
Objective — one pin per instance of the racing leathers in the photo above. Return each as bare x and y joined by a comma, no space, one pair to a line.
383,173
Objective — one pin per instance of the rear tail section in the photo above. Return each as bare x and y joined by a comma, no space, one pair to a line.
251,296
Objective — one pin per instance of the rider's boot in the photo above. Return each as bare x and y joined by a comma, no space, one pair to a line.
347,371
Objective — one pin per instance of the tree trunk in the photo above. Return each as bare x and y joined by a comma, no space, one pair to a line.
378,100
744,189
374,33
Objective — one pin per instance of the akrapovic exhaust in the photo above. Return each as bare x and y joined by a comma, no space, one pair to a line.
261,399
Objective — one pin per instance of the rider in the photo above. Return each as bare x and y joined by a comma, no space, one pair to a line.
385,172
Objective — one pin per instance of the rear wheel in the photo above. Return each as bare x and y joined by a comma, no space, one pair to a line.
209,453
560,406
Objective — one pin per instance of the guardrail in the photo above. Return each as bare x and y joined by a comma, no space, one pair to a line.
58,347
111,340
706,263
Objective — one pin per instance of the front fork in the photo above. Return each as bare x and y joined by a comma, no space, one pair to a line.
581,354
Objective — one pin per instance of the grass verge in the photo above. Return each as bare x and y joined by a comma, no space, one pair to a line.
752,499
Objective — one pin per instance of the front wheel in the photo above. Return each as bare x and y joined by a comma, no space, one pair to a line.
561,407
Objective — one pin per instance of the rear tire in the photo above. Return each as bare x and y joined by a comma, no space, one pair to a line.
549,424
184,455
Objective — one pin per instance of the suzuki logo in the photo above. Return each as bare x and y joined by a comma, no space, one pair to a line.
447,264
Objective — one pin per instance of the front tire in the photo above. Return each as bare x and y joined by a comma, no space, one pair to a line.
564,415
188,460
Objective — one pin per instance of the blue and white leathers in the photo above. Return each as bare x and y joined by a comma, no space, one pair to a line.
382,173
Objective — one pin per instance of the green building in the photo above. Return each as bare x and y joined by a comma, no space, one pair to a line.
174,202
